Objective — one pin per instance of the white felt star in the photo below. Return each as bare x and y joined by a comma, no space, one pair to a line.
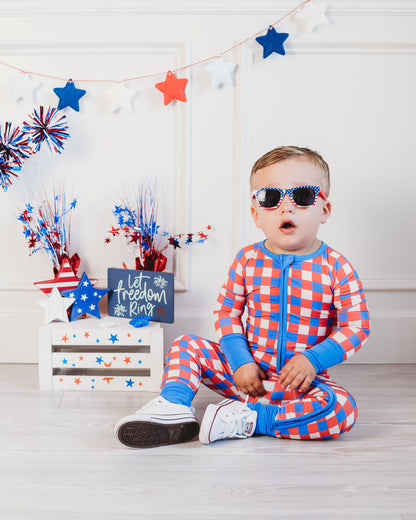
56,306
310,16
24,88
222,72
120,97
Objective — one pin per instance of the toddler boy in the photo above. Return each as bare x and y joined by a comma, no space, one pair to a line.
306,312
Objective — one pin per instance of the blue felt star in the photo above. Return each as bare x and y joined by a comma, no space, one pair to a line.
69,96
99,360
113,338
130,383
272,42
86,298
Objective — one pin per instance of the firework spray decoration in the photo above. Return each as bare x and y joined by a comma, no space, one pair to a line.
49,128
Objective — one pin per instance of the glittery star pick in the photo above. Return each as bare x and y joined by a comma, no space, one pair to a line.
86,298
272,42
24,88
69,96
56,306
310,16
172,88
221,72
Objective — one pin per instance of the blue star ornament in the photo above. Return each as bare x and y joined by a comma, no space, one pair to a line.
69,96
272,42
86,298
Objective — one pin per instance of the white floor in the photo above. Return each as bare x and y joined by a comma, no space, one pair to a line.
59,459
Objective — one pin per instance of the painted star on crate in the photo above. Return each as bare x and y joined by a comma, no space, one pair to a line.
69,96
272,42
86,298
172,88
56,306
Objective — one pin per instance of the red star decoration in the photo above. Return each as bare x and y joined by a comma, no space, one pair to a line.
77,381
65,338
127,360
172,88
114,231
64,280
86,335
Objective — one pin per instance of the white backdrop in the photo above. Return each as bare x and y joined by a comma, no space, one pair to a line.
346,89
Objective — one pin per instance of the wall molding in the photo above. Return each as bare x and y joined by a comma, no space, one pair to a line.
94,8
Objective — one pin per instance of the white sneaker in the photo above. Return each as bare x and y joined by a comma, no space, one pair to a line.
228,419
158,423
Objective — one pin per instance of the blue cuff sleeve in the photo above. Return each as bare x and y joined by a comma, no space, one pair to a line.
235,349
325,355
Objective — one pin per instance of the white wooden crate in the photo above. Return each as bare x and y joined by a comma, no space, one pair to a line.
100,354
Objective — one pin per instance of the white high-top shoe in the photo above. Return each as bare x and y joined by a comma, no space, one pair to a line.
228,419
158,423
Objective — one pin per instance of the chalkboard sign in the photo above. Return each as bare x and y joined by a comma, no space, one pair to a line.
140,293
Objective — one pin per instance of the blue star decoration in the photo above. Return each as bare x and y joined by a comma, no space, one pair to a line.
130,383
69,96
272,42
86,298
113,338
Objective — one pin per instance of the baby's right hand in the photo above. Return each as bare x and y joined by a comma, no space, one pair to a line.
248,379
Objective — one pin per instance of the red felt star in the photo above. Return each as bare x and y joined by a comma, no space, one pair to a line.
172,88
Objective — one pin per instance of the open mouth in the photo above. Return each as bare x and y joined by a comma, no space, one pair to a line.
287,225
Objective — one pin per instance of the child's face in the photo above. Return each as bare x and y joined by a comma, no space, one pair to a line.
290,229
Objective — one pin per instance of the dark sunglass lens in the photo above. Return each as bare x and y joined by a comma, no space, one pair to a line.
268,198
304,196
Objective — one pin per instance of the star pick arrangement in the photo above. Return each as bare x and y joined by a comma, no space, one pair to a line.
137,224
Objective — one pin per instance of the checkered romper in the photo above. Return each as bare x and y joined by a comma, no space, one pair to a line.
293,304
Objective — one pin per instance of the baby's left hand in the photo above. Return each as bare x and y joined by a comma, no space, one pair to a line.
298,373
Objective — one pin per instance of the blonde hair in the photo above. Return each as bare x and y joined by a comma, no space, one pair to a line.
291,152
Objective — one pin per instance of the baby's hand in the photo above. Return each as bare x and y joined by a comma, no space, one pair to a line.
248,378
298,373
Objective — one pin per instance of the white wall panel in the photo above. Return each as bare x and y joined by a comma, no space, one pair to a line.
346,89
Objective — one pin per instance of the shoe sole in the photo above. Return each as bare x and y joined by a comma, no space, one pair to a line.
144,434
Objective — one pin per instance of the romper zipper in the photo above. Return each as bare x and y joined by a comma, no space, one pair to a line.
285,261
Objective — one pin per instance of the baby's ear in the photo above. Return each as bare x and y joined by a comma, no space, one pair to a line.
326,211
254,214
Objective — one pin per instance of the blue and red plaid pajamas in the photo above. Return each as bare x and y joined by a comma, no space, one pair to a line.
311,304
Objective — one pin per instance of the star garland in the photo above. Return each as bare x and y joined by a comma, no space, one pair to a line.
307,16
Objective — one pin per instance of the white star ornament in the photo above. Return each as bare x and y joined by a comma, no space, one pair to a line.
310,16
222,73
56,306
24,88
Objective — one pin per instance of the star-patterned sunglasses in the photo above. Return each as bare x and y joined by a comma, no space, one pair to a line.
301,196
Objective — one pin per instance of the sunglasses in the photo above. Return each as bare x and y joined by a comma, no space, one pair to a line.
301,196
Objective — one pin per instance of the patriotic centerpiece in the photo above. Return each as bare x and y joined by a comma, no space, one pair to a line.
137,224
46,227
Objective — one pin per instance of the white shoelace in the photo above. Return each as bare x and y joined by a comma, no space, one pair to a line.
235,422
